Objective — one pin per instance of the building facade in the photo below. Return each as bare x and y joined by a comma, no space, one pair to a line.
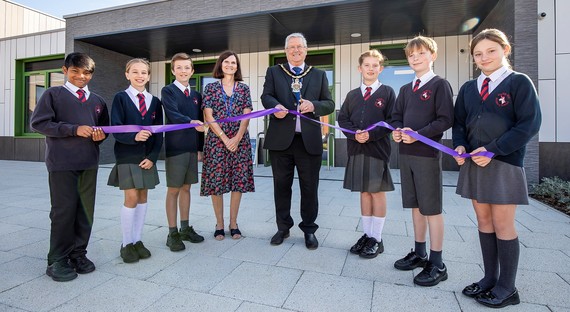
337,32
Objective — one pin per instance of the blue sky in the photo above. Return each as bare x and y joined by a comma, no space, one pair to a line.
59,8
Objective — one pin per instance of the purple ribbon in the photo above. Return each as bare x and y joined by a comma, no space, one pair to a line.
265,112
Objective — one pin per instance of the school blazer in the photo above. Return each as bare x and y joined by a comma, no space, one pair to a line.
277,90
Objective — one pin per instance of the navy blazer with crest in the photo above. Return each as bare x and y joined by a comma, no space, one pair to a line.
277,90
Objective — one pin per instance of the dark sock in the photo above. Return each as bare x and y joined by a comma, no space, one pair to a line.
184,224
421,249
435,257
172,230
509,251
488,243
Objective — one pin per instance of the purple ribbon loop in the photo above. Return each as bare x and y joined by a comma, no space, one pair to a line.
265,112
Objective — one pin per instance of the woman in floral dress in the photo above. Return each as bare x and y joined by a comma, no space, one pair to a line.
227,165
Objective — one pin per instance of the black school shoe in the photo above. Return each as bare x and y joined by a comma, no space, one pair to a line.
372,249
129,253
431,275
82,265
357,248
490,300
411,261
473,290
142,251
61,271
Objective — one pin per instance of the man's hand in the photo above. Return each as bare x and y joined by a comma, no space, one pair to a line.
306,106
282,113
406,138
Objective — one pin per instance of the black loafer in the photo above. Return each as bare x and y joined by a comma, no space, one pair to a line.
357,248
411,261
61,271
372,249
129,254
490,300
82,265
431,275
311,241
278,238
473,290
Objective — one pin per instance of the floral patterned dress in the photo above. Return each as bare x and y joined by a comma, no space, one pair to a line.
224,171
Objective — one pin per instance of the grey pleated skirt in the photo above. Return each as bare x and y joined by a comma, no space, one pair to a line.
367,174
131,176
498,183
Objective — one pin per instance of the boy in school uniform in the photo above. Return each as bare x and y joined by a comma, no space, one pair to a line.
424,106
68,116
183,150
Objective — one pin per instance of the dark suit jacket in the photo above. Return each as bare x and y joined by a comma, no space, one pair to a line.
277,90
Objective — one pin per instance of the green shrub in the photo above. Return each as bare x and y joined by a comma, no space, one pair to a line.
554,189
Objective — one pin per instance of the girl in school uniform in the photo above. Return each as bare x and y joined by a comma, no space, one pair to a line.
367,170
498,112
136,154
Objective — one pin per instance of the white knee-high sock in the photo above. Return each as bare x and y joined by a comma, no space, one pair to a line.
367,225
377,227
140,214
127,220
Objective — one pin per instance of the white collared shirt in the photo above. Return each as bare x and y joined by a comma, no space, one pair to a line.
496,78
302,66
132,92
182,87
425,78
375,85
73,89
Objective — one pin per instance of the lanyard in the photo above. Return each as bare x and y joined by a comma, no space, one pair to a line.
228,105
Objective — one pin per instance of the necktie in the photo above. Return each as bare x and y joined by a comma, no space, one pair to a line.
485,89
142,104
186,92
297,70
367,93
417,85
81,94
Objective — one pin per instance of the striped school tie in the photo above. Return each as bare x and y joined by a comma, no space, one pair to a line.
417,85
485,89
367,93
81,95
186,92
142,104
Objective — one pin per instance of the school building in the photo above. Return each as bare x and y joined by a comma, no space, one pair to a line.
33,46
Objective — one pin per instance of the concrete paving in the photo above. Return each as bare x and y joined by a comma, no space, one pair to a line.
251,275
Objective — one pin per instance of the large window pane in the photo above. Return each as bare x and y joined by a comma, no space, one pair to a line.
35,86
56,79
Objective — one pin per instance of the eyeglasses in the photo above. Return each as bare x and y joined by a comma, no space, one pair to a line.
299,47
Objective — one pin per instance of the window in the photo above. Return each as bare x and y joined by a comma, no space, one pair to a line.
396,71
33,77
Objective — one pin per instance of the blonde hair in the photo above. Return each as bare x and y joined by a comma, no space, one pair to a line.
135,61
372,53
421,42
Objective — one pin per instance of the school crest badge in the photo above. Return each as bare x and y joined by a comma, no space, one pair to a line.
153,116
426,95
379,102
98,109
503,99
195,101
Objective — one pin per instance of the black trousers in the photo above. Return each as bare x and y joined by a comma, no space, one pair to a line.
283,165
72,205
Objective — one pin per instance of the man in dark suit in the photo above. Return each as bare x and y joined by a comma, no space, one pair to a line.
296,142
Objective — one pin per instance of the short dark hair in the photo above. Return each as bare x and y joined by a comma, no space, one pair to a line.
80,60
218,73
